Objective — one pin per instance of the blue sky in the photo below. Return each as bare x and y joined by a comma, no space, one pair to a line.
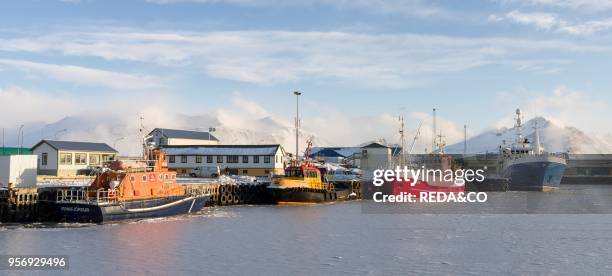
474,60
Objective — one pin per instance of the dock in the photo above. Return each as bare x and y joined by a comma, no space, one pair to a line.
20,205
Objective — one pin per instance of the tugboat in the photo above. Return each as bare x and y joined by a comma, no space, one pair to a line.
127,190
303,184
529,167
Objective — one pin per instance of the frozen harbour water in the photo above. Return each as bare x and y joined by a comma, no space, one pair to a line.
327,239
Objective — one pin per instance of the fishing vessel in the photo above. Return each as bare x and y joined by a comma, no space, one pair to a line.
438,160
304,183
529,167
127,190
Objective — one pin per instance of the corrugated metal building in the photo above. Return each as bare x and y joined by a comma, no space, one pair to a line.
163,137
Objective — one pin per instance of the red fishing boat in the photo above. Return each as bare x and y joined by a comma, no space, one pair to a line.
441,162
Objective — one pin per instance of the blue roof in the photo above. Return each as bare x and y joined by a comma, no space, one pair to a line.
375,145
83,146
186,134
326,153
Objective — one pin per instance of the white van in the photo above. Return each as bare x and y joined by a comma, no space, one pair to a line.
204,171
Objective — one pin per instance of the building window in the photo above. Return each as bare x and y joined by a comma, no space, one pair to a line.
171,159
267,159
94,159
144,178
107,157
232,159
163,141
245,171
267,172
198,159
219,158
276,159
184,159
255,158
66,158
209,159
245,159
44,159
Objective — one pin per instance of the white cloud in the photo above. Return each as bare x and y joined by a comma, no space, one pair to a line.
20,105
241,120
402,7
562,105
268,57
588,27
84,76
552,22
540,20
591,5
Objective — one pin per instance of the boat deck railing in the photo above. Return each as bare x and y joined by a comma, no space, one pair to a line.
323,186
98,196
517,156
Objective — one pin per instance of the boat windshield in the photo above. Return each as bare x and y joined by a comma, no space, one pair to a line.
294,173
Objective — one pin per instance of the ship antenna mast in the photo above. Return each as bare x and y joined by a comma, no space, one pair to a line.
519,129
433,141
141,133
538,147
442,143
416,136
402,141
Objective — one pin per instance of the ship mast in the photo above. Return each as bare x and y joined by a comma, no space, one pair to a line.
142,136
441,143
433,138
538,147
297,123
520,141
402,141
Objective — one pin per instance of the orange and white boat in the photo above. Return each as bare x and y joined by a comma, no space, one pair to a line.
127,190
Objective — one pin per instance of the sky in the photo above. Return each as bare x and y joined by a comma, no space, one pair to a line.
355,61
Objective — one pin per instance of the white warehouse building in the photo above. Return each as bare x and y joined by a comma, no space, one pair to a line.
252,160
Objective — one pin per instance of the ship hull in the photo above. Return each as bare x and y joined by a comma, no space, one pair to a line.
535,176
420,187
304,196
137,209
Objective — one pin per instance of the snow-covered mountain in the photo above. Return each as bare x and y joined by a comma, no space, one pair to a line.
123,132
553,137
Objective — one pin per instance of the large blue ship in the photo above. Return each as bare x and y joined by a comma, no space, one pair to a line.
528,166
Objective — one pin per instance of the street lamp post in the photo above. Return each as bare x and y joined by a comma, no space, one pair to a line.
58,132
297,123
20,139
117,140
